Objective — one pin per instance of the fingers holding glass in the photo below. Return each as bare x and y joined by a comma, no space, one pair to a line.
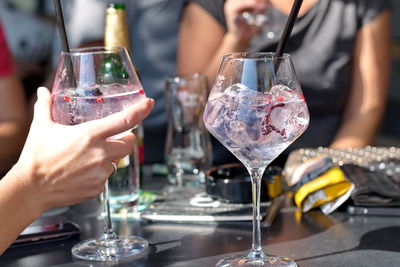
98,87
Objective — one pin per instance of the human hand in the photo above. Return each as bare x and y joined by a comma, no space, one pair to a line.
241,31
63,164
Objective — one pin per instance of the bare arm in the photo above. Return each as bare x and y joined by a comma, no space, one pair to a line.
370,77
13,121
203,41
74,169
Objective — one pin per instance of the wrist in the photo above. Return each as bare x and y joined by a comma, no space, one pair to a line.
27,193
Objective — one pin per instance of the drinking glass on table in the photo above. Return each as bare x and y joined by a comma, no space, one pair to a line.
91,84
256,109
188,146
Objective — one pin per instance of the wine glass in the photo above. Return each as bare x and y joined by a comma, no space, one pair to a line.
256,109
90,84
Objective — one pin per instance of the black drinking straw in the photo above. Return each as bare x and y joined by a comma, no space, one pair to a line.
64,39
287,31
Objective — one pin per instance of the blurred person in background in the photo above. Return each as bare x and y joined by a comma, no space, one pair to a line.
340,51
153,29
13,111
30,30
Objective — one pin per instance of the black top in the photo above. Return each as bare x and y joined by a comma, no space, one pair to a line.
321,46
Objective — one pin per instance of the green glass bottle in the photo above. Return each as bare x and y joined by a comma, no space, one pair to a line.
117,34
112,70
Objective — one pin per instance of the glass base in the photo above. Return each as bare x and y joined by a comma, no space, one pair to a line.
175,192
245,261
121,247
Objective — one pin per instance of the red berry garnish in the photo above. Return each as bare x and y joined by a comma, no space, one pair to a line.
66,98
99,99
141,92
279,98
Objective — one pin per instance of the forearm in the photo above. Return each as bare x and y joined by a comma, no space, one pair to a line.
12,139
370,79
197,52
229,45
18,209
13,121
358,130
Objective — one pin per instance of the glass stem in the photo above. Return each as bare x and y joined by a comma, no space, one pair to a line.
108,230
256,175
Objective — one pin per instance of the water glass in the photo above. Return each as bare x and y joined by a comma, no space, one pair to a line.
188,146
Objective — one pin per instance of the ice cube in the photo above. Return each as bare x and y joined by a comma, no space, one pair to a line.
253,98
302,117
271,138
254,133
299,118
234,90
235,130
213,111
282,93
279,117
291,116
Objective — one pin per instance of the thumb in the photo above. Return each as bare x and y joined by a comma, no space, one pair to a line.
42,109
122,121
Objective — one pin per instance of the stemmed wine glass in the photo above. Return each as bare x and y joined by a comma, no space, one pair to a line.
90,84
256,109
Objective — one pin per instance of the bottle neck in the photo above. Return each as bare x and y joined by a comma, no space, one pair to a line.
116,31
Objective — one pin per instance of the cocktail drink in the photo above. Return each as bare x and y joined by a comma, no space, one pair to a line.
255,126
78,105
91,84
256,109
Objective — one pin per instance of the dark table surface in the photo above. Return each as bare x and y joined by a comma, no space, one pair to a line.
311,239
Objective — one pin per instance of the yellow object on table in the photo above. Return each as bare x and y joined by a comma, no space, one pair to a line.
325,188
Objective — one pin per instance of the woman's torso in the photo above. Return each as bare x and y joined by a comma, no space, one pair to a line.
321,46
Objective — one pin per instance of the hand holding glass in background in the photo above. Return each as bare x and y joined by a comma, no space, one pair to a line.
264,19
258,17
